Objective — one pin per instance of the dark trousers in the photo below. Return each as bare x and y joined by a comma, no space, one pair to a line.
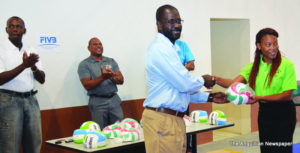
188,138
276,124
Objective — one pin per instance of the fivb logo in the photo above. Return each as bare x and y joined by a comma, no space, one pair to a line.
48,41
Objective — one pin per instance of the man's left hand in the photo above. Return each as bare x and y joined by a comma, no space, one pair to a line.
209,81
190,66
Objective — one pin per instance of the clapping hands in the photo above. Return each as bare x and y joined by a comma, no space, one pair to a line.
29,61
106,74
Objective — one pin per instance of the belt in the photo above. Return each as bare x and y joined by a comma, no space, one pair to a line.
167,111
19,94
104,96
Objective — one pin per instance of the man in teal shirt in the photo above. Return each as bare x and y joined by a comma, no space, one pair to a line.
186,56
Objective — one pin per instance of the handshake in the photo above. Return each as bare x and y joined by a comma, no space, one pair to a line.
218,97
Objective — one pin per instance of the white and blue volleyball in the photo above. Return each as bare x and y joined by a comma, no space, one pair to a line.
217,118
199,116
78,135
94,139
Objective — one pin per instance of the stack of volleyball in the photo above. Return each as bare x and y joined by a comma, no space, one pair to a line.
217,117
199,116
90,135
128,130
239,93
131,130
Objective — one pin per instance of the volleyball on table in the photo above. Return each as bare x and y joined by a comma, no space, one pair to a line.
187,120
90,125
217,117
239,93
130,135
94,139
130,123
79,134
112,131
198,116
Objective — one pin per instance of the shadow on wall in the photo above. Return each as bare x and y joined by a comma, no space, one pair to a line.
72,92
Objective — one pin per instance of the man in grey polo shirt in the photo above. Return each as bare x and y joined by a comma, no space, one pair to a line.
100,75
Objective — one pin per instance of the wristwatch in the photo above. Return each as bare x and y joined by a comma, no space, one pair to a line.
210,98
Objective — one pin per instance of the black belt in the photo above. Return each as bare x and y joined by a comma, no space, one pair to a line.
19,94
167,111
104,96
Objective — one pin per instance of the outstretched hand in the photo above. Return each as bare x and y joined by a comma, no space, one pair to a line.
209,81
220,97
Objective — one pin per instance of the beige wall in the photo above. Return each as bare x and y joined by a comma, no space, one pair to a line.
230,47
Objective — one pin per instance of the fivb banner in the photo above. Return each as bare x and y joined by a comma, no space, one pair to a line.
48,42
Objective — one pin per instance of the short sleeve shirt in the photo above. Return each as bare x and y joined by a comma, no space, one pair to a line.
283,80
185,54
92,68
10,58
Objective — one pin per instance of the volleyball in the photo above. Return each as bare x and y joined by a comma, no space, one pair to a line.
94,139
130,123
141,123
187,120
130,135
78,135
239,93
112,131
199,116
217,118
90,125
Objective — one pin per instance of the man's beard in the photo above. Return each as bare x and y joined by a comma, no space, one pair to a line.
169,34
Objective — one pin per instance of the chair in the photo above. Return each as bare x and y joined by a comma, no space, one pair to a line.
296,95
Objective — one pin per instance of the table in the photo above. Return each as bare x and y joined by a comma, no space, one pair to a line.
195,128
191,129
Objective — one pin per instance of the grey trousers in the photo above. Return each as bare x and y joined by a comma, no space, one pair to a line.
20,122
105,111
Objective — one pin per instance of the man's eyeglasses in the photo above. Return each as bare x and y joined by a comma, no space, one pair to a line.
172,22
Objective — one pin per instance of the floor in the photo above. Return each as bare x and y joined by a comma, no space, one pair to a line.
245,143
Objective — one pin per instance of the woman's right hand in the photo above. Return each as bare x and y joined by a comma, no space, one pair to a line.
253,100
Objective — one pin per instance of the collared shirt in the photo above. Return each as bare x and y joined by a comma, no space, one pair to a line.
185,54
10,58
169,83
283,80
92,68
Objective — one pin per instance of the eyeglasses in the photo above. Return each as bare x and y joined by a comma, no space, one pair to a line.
172,22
